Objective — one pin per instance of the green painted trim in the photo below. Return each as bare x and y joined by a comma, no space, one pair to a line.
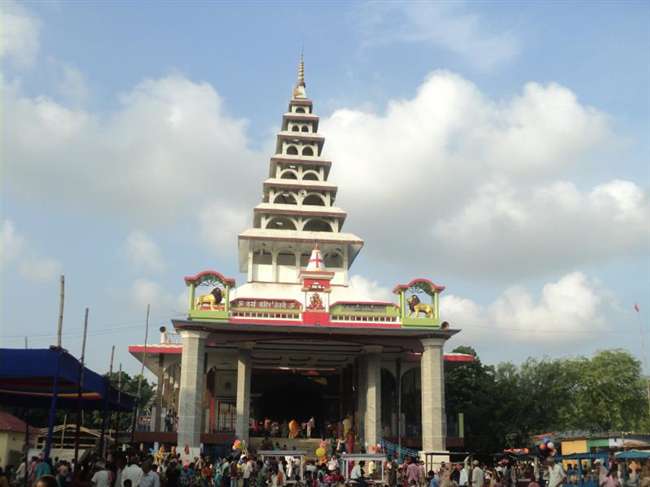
601,442
402,304
192,290
423,322
216,315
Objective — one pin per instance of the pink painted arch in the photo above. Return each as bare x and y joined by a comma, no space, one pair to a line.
200,277
426,283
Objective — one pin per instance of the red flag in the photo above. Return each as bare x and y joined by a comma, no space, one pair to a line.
636,307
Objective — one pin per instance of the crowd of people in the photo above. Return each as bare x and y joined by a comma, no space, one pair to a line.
244,469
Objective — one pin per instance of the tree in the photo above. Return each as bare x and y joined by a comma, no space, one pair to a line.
129,385
507,404
611,392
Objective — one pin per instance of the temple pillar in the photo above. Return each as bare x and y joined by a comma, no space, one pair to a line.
156,409
372,417
362,387
192,384
434,421
244,369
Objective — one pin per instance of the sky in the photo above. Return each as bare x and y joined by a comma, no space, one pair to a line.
498,148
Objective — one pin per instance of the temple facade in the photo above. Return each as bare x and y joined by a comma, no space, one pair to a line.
293,341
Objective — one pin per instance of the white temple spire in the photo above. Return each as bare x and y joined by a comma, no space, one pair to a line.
299,91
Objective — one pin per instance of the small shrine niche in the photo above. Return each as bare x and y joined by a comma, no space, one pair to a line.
419,302
209,295
316,283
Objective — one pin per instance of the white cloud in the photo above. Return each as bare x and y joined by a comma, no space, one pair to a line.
362,288
166,150
19,36
12,242
569,311
146,291
17,251
143,253
72,85
476,184
39,268
549,227
477,187
450,26
220,225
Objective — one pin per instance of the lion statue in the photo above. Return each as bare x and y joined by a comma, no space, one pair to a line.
214,298
417,307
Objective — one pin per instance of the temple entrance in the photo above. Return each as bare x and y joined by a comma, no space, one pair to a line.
282,395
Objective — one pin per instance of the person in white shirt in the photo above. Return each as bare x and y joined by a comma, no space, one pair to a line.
103,477
556,473
478,476
356,475
133,473
149,477
248,470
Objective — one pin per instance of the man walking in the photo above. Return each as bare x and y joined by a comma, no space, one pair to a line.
478,475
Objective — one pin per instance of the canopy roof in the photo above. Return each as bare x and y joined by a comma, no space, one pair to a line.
633,454
27,379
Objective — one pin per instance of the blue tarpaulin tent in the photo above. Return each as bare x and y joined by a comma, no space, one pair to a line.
30,378
50,378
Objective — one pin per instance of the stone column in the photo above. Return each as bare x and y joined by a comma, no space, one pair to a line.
372,416
362,389
156,409
434,421
244,369
192,384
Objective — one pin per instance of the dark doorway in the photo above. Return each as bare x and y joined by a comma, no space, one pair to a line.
284,395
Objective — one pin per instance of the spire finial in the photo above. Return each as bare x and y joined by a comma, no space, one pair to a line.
299,90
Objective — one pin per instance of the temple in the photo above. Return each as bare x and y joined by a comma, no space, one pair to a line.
294,341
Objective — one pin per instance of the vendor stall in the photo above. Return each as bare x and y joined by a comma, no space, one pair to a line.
373,469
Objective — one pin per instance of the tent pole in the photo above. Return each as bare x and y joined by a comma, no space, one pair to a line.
26,480
105,412
81,381
119,400
52,413
65,423
140,377
59,329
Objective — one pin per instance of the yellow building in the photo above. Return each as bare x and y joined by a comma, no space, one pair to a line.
12,439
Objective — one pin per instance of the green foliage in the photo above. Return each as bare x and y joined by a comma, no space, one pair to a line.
129,385
506,404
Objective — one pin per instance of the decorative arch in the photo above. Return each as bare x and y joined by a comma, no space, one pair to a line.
288,174
281,223
295,128
304,128
310,175
286,257
307,151
285,199
300,110
292,150
317,225
333,260
262,257
314,199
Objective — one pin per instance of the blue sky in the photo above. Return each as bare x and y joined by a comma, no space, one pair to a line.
523,126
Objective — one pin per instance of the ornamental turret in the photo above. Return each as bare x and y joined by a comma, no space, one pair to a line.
297,208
